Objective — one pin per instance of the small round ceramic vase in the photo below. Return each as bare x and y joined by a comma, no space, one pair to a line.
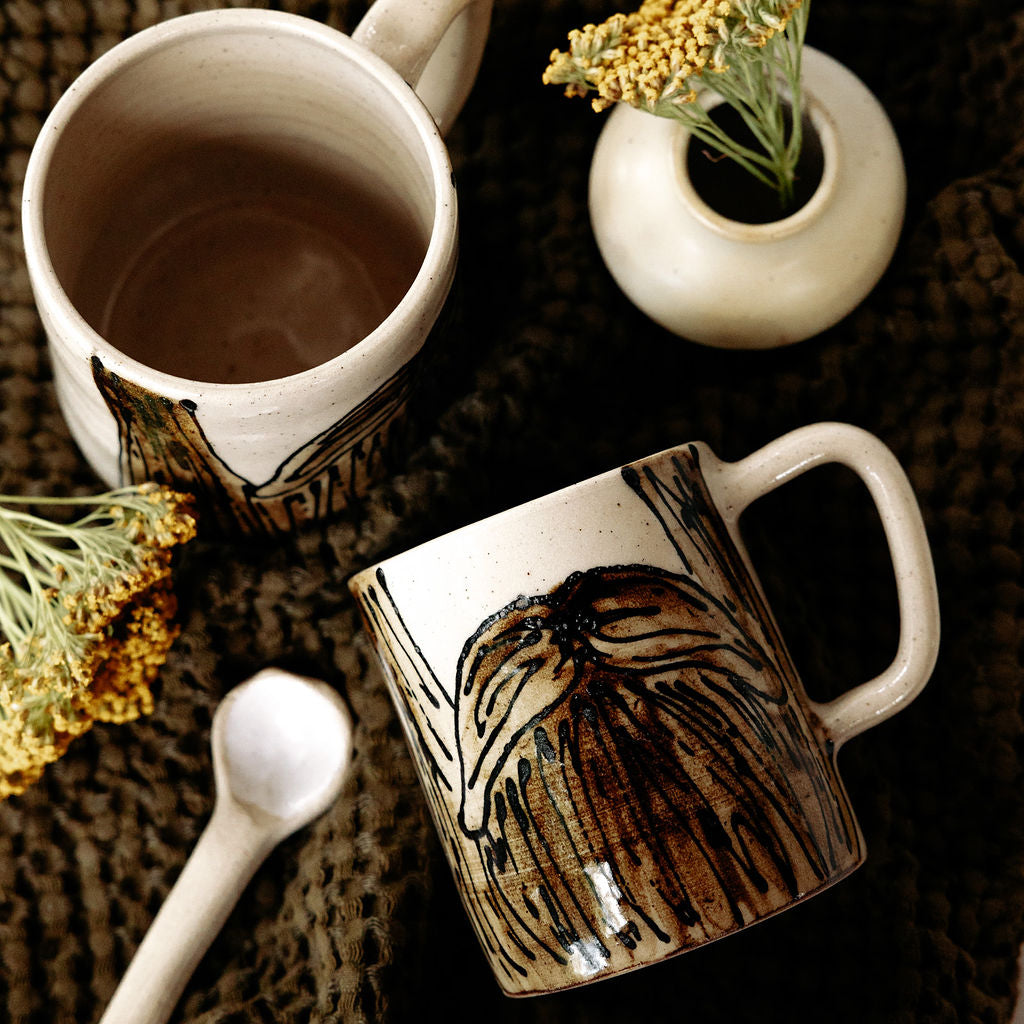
731,284
619,757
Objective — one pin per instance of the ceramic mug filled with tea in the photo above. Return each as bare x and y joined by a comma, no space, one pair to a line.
240,228
615,747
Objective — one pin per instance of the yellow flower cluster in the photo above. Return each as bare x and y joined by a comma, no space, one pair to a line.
89,626
647,58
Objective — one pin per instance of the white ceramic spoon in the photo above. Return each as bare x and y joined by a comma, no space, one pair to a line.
281,747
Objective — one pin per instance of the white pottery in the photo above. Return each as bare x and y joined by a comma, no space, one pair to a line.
734,285
619,757
282,745
277,450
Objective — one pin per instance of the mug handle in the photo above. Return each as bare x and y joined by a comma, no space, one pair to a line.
736,484
435,45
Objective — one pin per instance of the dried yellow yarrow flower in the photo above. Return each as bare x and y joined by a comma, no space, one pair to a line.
86,612
655,59
642,58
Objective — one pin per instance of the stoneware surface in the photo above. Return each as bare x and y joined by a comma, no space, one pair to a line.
735,285
249,116
620,759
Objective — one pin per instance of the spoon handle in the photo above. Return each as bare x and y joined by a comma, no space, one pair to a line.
224,860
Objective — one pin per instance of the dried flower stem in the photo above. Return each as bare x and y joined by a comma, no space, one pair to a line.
660,57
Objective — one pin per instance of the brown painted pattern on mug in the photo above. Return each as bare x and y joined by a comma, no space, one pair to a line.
163,440
632,772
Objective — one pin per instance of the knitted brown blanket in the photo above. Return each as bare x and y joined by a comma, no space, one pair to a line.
549,375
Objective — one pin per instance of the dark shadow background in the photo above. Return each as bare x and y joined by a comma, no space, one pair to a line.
548,375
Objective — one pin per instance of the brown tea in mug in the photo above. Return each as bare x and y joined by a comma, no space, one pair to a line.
267,268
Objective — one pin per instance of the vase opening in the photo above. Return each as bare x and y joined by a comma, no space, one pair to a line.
732,191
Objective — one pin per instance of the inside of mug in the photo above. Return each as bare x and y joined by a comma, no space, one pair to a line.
238,205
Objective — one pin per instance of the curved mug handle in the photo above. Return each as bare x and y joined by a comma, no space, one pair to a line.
435,45
735,485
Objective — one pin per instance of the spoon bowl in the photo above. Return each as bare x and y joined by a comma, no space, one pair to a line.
281,747
281,744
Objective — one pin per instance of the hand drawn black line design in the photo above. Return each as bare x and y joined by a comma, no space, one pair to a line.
625,769
163,440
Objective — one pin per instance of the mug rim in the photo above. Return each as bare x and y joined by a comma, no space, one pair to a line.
436,270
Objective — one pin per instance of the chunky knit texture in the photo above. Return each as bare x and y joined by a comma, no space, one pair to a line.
547,375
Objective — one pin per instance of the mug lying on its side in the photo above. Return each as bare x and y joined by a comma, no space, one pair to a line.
617,752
